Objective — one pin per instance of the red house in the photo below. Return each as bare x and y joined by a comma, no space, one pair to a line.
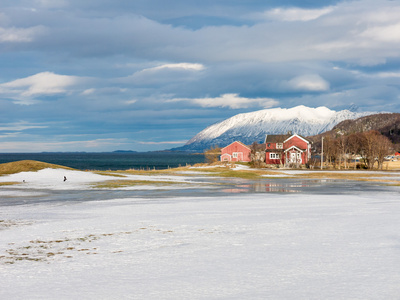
236,152
287,149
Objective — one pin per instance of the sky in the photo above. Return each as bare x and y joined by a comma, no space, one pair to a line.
144,75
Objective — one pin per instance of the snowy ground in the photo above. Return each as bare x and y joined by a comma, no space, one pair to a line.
54,179
243,246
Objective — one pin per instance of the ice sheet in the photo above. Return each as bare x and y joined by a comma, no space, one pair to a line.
249,246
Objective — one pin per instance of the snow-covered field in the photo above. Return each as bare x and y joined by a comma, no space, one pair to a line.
54,179
238,246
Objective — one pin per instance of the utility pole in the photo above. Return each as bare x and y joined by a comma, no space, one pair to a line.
322,153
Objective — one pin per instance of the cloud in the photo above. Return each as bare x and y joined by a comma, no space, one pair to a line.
311,82
164,74
182,66
233,101
24,90
129,102
52,3
340,32
45,83
296,14
44,145
389,74
389,33
89,91
19,35
163,143
185,66
20,126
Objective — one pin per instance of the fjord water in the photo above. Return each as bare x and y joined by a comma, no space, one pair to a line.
110,161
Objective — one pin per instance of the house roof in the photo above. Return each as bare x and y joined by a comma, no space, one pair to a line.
258,147
294,147
239,143
299,136
276,138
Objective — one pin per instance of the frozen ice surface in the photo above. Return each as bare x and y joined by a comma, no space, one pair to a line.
248,246
339,244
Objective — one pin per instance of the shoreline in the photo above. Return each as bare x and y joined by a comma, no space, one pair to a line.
37,175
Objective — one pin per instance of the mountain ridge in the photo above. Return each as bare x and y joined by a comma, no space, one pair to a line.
253,126
387,124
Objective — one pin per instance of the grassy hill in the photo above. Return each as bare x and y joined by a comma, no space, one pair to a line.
27,166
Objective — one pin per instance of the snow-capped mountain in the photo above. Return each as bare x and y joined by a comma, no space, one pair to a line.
252,127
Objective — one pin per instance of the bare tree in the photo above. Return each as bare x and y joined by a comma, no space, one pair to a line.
330,151
212,154
341,153
369,151
257,154
383,147
374,148
354,142
371,146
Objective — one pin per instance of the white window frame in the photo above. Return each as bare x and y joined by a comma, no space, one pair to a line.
274,155
235,154
279,145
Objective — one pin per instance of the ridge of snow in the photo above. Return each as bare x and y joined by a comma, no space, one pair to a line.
253,126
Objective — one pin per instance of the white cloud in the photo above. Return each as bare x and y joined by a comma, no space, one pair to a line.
389,74
129,102
19,35
24,90
177,67
52,3
389,33
88,91
163,143
233,101
38,146
183,66
310,82
20,126
164,73
297,14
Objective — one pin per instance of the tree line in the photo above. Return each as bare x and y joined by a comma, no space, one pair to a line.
340,151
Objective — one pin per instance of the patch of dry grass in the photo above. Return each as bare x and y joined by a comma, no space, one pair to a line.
171,171
9,183
370,176
109,173
391,165
27,166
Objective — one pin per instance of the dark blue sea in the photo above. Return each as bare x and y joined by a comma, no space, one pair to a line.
110,161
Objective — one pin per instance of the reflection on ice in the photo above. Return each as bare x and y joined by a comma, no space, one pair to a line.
46,186
235,191
273,186
264,187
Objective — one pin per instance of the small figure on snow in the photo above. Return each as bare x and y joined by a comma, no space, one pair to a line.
65,178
